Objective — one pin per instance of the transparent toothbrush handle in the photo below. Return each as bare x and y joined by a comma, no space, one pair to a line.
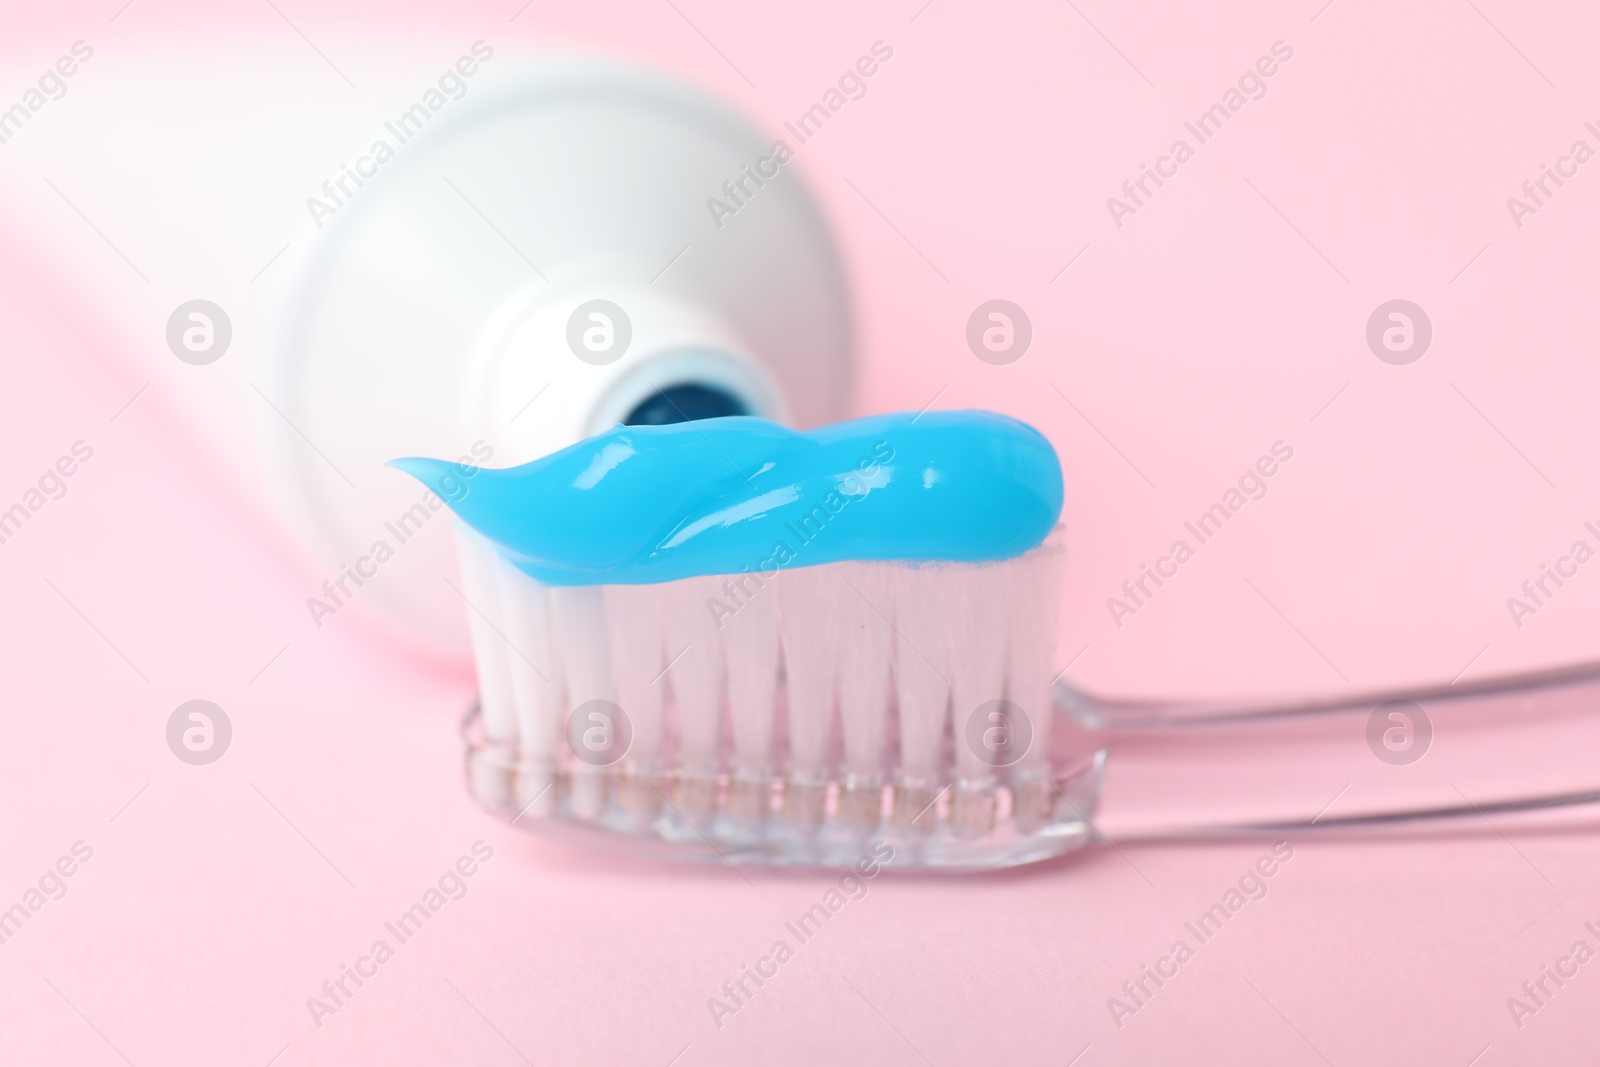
1517,751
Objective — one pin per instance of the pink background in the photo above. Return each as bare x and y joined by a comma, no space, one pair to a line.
1224,316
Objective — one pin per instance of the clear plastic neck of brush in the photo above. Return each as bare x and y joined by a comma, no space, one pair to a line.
1516,751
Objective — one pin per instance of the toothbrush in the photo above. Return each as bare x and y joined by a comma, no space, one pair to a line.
653,670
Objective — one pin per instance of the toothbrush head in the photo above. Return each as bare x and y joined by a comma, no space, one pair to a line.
731,640
795,717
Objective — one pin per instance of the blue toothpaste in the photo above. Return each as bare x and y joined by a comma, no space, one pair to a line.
641,504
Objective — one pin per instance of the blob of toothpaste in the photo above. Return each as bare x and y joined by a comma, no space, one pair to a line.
643,504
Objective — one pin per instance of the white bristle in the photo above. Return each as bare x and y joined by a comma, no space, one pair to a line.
750,644
812,624
586,652
925,600
536,684
695,673
863,602
978,654
1036,595
978,662
580,614
634,620
1035,584
925,647
483,589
